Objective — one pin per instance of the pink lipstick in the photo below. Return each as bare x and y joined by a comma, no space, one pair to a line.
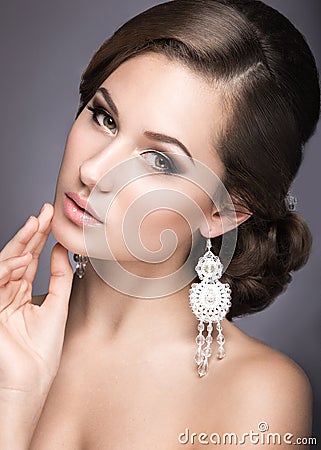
79,211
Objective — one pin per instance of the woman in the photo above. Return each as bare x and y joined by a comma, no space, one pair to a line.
192,119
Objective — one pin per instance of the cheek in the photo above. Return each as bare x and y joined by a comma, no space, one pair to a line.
155,217
82,143
71,160
164,229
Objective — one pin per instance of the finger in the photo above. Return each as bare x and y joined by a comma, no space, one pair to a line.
16,246
37,243
32,232
21,297
60,283
43,231
8,268
32,242
40,237
13,296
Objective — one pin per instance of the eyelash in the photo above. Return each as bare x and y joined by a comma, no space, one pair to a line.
98,110
172,169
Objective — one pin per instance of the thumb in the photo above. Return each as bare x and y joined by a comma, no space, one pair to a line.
60,280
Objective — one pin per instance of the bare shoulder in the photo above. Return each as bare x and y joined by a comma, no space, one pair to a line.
260,358
266,386
38,299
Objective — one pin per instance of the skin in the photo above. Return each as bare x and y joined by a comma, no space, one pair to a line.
126,378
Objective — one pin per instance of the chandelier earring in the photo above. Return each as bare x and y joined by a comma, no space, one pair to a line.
210,301
81,262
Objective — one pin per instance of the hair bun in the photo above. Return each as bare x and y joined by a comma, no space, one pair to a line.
265,255
294,241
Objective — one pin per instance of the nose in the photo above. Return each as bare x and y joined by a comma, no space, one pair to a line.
98,171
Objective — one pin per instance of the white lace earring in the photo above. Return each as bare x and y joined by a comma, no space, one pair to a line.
210,301
81,262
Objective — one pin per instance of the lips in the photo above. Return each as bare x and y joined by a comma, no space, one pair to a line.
79,211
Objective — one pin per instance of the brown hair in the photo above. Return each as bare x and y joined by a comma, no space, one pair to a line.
272,98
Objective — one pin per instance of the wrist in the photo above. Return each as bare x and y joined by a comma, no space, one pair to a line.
19,415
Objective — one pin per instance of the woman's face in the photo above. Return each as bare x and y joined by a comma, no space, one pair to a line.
137,153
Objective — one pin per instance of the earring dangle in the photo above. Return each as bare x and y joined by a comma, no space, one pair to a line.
81,262
210,301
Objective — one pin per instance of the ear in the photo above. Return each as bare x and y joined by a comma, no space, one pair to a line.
220,222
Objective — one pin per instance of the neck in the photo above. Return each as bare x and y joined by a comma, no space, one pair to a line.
109,315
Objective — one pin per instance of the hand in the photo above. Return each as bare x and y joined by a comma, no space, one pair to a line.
31,336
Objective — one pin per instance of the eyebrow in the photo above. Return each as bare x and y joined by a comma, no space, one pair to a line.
168,140
150,134
109,100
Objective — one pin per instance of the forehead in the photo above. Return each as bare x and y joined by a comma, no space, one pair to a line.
153,92
175,89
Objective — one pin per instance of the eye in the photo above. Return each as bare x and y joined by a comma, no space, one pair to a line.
103,118
159,162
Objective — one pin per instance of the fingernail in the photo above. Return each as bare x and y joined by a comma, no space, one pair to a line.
43,207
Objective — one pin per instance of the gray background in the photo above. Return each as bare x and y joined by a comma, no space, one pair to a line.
44,48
